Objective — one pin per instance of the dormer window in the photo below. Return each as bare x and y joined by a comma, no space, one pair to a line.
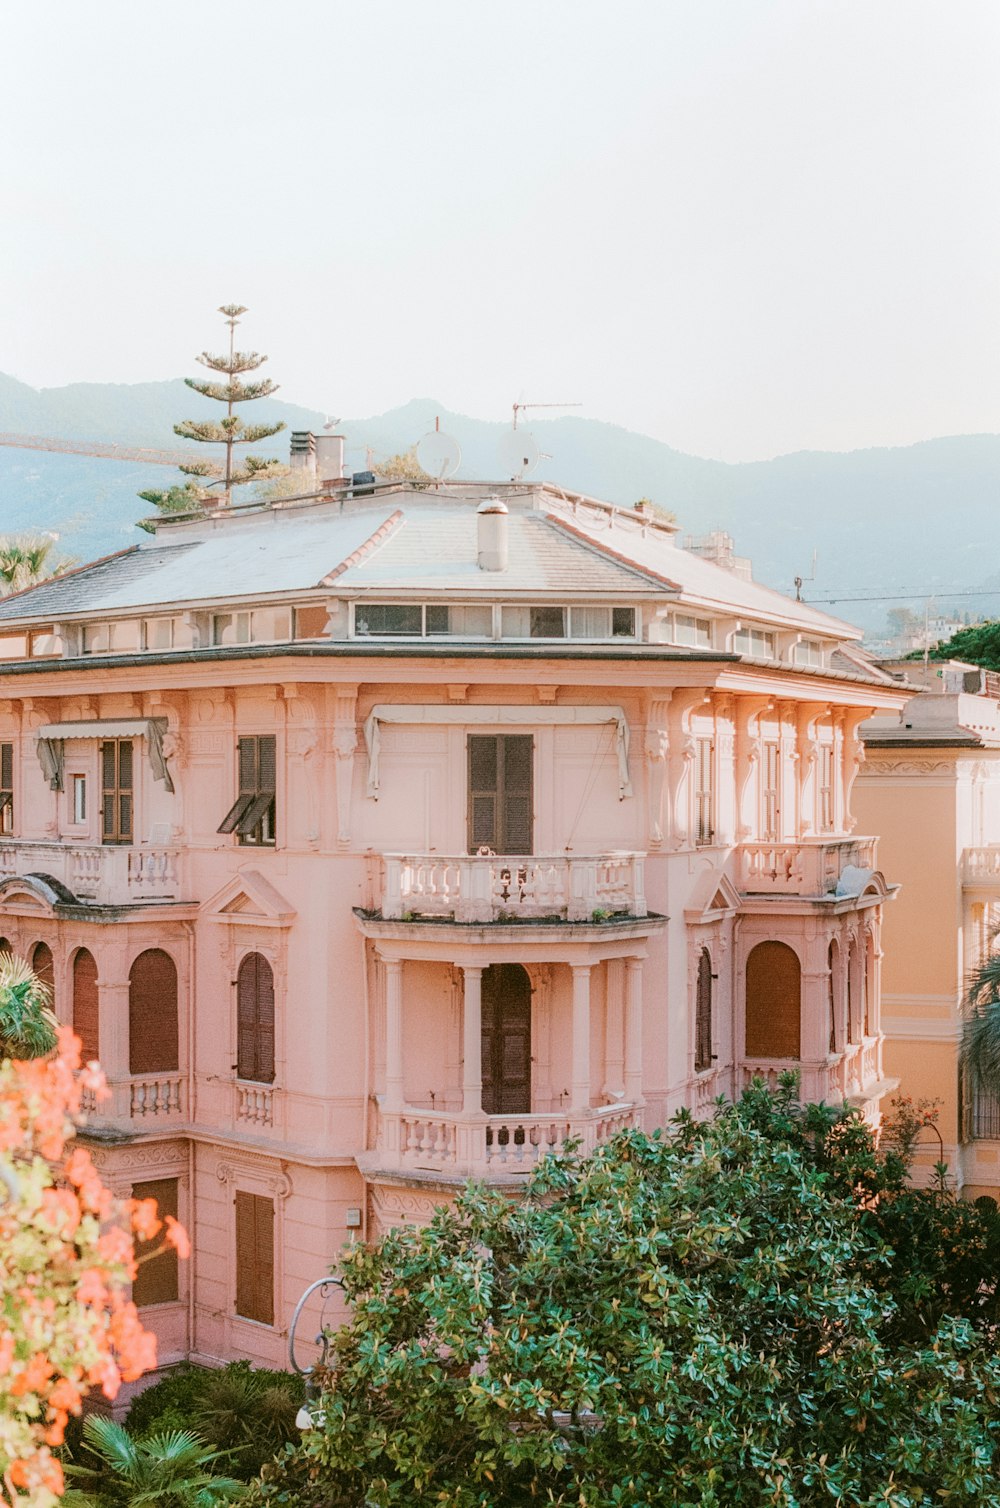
260,625
807,652
754,641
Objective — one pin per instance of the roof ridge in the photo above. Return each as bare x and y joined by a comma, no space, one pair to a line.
386,527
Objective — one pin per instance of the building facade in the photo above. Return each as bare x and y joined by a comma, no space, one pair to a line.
388,835
930,786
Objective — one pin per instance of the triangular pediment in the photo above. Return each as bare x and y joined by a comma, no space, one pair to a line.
250,899
713,897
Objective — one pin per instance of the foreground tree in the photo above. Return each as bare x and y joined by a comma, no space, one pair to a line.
172,1469
228,432
27,559
979,644
66,1249
707,1317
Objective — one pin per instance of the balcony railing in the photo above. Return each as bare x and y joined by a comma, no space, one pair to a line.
853,1074
981,865
811,867
497,888
147,1097
426,1141
107,876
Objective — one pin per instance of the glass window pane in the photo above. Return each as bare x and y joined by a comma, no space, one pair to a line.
515,622
44,644
159,633
623,622
270,625
96,638
125,636
437,620
13,646
548,622
589,622
388,618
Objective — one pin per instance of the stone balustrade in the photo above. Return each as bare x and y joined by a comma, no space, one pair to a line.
255,1104
498,888
107,875
418,1140
981,866
811,867
156,1096
852,1074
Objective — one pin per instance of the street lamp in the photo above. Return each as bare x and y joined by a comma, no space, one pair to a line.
305,1418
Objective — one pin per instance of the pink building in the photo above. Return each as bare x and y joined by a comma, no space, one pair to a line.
375,840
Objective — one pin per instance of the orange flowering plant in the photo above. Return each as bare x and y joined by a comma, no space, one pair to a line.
66,1258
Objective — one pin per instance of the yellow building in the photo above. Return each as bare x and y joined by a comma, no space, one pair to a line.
930,787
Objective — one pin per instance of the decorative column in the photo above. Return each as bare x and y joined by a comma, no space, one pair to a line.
614,1029
580,1086
633,1030
657,751
472,1041
394,1097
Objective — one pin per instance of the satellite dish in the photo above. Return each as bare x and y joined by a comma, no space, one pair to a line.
519,453
439,455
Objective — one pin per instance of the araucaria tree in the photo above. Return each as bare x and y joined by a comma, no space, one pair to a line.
228,432
753,1312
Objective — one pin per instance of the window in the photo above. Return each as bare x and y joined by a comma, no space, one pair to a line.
13,646
703,1055
152,1014
459,622
831,963
547,622
255,1020
42,964
116,791
262,625
807,652
251,816
773,995
770,816
602,622
500,796
389,618
311,621
110,638
157,1280
754,641
6,788
86,1015
694,632
79,798
623,622
44,644
254,1257
704,814
826,788
166,633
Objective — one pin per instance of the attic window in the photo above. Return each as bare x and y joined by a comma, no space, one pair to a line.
807,652
44,644
13,646
695,633
311,621
166,633
111,638
754,641
261,625
432,620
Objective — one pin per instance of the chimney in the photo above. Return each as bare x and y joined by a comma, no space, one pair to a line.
491,534
329,458
302,456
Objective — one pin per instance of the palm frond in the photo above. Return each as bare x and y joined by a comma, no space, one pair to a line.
981,1033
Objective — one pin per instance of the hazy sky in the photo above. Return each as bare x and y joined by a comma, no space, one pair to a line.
742,226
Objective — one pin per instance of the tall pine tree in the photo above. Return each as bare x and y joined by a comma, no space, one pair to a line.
230,431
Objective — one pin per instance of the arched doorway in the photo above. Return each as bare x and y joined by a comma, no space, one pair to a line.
43,966
506,997
86,1013
773,1002
152,1013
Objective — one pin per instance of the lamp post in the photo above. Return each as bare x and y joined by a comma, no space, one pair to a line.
305,1419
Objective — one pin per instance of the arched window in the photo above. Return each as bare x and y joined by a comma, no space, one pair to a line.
5,946
43,966
831,963
869,985
85,1005
152,1013
773,1002
255,1020
703,1014
852,971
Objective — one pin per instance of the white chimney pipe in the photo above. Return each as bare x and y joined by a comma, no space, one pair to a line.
491,534
329,457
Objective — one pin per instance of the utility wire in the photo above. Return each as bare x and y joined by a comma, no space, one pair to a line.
941,592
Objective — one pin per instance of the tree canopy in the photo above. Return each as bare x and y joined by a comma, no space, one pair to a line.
979,644
747,1311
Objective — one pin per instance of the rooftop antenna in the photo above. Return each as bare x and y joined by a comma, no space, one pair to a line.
800,580
519,406
331,423
440,455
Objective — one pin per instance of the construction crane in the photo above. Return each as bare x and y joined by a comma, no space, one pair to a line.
99,448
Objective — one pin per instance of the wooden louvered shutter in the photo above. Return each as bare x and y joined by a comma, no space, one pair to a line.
500,805
152,1014
86,1012
773,1002
6,788
254,1257
703,1014
157,1281
255,1020
44,968
516,814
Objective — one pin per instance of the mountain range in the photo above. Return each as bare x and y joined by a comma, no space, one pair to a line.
913,519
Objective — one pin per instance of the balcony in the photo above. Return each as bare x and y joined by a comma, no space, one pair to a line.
150,1098
812,867
854,1075
981,866
411,1140
501,888
104,876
